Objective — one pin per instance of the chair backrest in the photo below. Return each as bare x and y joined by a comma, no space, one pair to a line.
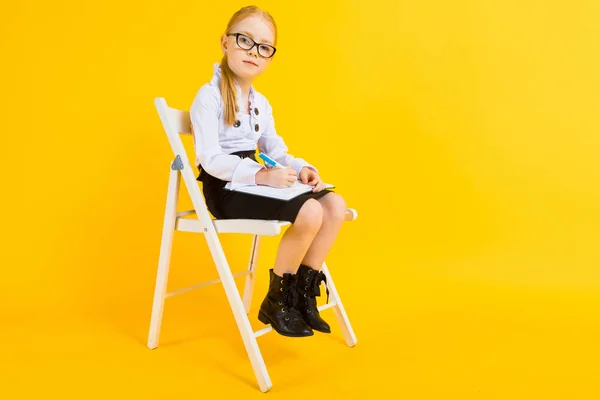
176,122
180,120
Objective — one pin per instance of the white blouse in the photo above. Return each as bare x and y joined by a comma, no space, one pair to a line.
214,140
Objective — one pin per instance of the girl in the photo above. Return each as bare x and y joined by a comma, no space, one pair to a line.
229,120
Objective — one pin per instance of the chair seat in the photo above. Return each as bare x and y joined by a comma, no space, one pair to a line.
243,226
252,226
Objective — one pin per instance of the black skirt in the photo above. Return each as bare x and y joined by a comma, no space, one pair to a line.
227,204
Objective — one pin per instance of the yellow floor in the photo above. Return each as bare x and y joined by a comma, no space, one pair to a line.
418,339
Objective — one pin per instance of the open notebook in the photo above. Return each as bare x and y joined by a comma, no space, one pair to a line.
288,193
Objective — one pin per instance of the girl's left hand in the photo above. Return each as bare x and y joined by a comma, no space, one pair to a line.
310,177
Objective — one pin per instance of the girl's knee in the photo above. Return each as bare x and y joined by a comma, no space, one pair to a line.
310,215
335,206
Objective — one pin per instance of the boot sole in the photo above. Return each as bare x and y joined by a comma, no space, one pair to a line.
265,320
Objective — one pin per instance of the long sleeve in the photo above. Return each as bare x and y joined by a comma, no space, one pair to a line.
204,115
273,145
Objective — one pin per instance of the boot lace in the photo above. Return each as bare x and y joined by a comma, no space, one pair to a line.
288,296
313,287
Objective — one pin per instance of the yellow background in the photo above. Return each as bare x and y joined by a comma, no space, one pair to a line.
464,132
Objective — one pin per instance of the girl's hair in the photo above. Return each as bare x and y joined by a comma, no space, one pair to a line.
228,89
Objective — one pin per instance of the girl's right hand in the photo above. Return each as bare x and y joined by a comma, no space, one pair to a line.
276,177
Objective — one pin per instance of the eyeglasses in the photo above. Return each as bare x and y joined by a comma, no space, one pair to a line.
246,43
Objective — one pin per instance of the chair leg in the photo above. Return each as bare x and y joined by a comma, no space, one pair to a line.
239,312
339,310
164,258
250,278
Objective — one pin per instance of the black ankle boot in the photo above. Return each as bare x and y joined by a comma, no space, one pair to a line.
309,282
279,307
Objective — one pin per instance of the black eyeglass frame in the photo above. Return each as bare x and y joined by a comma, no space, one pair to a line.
237,41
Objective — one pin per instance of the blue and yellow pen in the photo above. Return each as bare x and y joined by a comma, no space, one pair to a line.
270,161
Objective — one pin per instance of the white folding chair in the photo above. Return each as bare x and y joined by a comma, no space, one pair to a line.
199,220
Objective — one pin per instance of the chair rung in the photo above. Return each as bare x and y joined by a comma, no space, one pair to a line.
263,331
203,284
326,306
185,213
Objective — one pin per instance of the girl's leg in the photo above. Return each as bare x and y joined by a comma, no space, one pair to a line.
309,273
334,212
279,307
298,237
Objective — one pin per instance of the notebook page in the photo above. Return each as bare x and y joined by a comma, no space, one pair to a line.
288,193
